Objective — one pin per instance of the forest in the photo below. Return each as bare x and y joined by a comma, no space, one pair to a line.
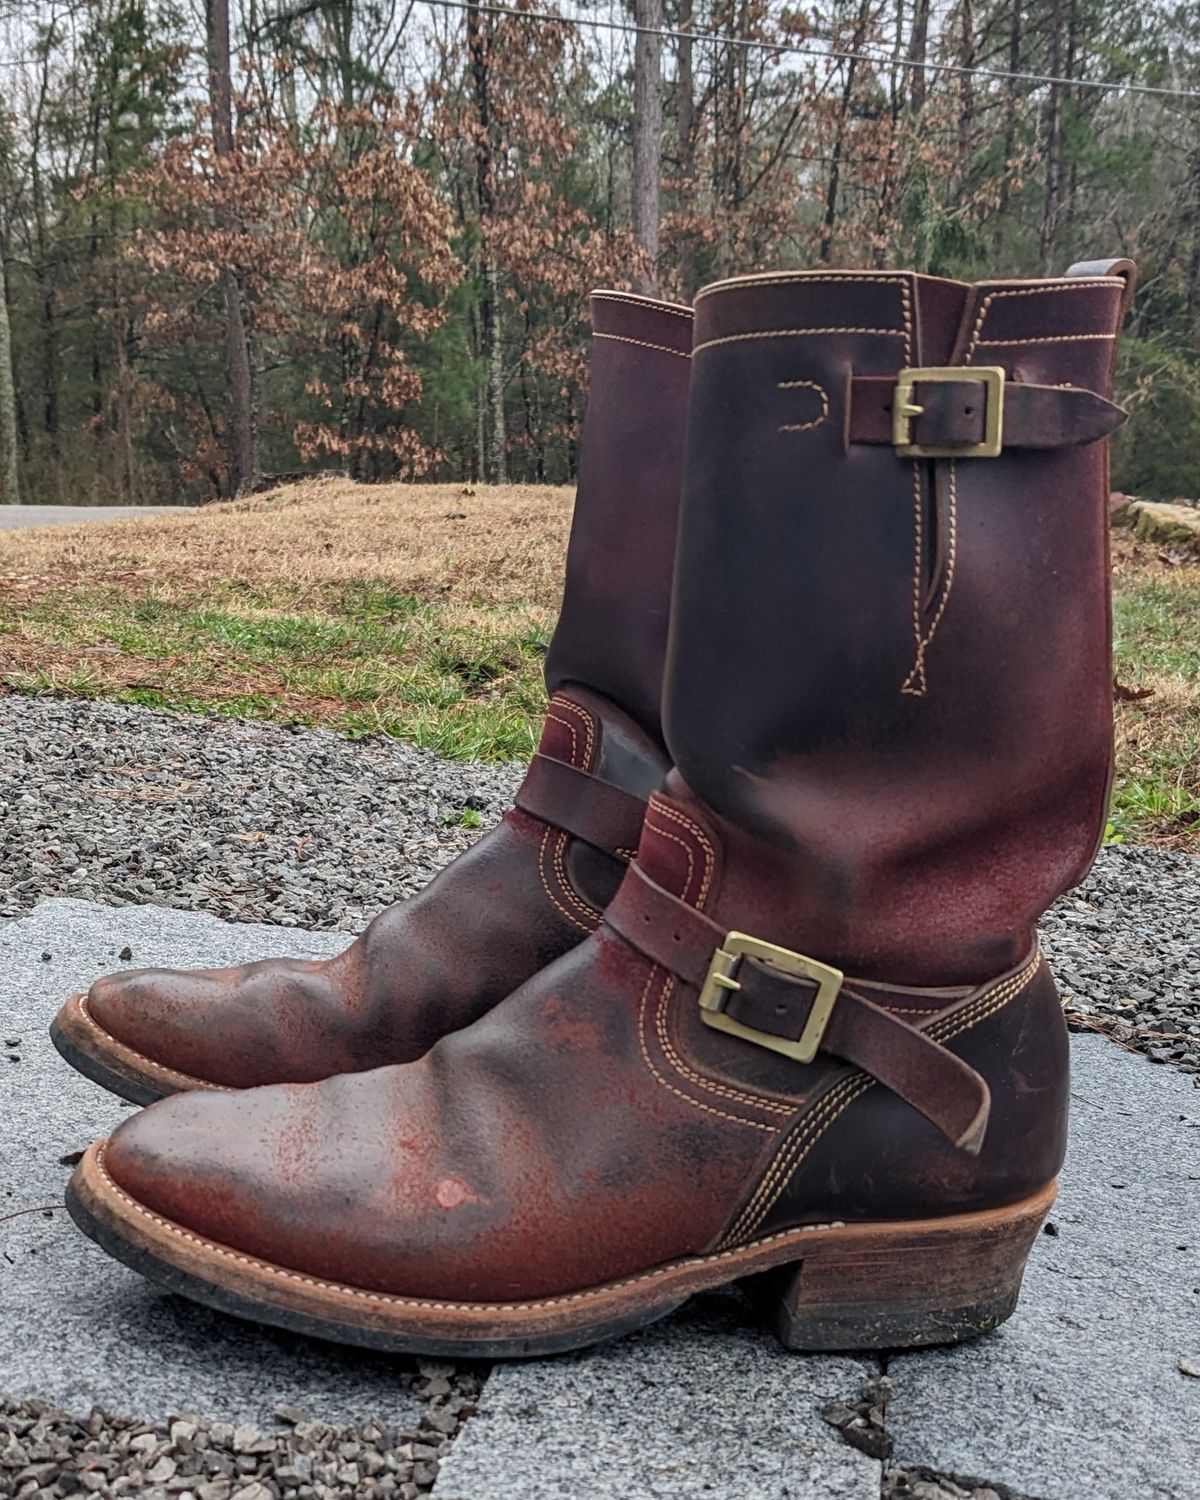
295,236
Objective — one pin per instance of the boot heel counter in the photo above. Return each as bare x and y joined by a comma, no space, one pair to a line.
874,1157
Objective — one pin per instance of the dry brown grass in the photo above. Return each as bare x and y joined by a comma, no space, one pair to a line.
492,545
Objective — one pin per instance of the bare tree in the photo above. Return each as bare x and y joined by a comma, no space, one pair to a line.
9,492
647,135
242,454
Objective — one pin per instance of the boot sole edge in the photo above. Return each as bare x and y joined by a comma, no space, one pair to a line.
817,1318
81,1041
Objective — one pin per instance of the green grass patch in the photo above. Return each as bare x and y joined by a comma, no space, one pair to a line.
465,680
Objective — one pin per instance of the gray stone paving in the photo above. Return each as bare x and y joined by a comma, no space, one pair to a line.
76,1328
701,1406
1083,1394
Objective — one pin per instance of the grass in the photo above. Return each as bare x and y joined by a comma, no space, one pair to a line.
423,612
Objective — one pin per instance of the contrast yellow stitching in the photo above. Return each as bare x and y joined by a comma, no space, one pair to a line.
791,278
1047,288
390,1299
680,1067
915,683
805,1139
585,719
589,926
569,727
619,338
791,333
805,385
677,309
658,1077
567,888
698,833
1054,338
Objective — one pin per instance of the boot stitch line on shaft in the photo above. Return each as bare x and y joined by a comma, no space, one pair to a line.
725,1091
588,725
808,385
710,854
589,925
565,883
920,686
1049,288
631,299
788,1163
709,1109
391,1299
620,338
792,333
796,278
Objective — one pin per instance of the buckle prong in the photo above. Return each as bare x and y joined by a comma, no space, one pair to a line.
721,980
905,410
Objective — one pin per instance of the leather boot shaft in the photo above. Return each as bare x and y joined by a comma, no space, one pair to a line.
889,680
612,633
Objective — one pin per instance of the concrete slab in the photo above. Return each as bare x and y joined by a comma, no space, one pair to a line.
1082,1393
76,1328
18,517
701,1405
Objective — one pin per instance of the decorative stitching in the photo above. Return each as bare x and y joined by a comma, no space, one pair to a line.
791,278
620,338
677,309
390,1299
791,333
788,1161
806,385
698,832
567,886
1056,338
1046,288
658,1077
921,685
585,719
680,1067
589,925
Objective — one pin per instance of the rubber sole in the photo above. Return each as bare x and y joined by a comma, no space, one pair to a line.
92,1051
838,1286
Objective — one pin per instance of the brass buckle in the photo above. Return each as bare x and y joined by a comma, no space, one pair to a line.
905,410
720,980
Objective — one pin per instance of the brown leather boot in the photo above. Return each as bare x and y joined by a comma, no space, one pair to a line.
888,703
531,888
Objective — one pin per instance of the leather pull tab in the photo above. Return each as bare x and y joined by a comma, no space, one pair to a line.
1118,266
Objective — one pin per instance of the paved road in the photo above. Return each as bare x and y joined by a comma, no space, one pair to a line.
1086,1392
17,517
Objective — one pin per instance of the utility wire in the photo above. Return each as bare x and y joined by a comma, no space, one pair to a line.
780,49
829,54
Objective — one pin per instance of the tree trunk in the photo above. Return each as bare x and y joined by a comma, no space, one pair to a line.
491,346
1053,200
10,493
918,48
686,133
647,137
243,463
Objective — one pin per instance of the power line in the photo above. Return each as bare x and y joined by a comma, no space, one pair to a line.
830,54
780,49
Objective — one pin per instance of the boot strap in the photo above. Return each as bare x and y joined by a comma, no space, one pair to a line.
961,412
797,1006
588,808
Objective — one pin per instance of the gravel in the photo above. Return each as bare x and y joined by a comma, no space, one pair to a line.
45,1453
1125,949
249,821
299,827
